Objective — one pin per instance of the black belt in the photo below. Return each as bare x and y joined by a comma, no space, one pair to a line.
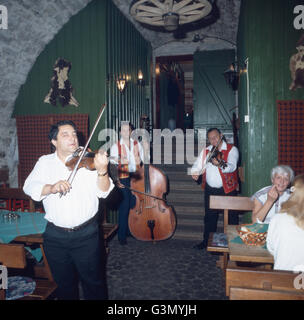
79,227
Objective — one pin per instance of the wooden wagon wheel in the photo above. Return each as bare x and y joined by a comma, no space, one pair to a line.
155,12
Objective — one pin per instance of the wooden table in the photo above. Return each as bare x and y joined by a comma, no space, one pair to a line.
42,270
245,253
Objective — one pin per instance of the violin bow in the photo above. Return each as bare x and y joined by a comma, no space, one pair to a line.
73,173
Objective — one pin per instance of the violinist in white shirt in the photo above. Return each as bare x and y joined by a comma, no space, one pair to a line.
219,177
71,239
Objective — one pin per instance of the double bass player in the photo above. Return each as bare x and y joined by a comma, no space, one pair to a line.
128,154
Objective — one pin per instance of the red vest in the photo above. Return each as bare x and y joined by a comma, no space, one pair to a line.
230,180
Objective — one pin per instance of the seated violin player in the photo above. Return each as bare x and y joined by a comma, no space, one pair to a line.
268,200
128,154
71,238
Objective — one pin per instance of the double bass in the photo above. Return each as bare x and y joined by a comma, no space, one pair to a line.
151,219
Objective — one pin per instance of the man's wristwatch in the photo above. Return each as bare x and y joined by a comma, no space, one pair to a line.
102,174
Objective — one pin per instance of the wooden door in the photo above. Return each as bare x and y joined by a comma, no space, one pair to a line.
214,101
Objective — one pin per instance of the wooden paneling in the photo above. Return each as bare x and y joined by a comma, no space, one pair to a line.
268,38
127,52
212,97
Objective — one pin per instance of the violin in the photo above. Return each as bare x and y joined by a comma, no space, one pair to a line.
80,158
218,155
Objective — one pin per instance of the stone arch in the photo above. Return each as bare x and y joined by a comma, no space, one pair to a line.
31,26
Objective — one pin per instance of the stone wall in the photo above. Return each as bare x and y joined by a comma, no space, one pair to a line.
31,25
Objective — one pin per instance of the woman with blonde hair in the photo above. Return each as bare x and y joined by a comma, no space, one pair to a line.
285,238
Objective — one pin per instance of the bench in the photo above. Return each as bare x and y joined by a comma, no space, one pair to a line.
227,203
248,283
13,256
262,294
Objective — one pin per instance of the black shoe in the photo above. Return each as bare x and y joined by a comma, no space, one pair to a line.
200,246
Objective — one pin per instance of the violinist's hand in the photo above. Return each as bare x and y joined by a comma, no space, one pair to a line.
195,176
215,162
101,161
272,194
61,186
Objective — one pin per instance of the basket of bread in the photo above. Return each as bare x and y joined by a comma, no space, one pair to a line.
253,234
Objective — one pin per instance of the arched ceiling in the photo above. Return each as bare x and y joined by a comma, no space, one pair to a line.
220,27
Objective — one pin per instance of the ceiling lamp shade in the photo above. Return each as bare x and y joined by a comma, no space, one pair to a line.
169,14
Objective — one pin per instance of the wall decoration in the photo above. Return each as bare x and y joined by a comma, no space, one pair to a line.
296,66
61,87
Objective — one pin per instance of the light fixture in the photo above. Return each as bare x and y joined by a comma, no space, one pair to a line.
232,75
140,78
121,83
169,14
203,37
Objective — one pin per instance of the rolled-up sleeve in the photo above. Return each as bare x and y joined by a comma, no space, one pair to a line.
35,182
232,161
104,194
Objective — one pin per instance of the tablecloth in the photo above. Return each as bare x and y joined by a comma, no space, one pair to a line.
28,223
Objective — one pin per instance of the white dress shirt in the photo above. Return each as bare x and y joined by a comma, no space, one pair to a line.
130,153
74,208
213,176
285,241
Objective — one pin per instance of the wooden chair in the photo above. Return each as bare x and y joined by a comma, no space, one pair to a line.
16,199
108,229
227,203
13,256
261,284
230,203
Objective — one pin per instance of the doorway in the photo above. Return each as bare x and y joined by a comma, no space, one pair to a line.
174,92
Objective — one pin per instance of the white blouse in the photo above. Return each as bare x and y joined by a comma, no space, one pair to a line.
285,241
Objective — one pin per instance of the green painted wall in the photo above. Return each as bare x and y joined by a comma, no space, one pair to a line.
82,41
212,98
99,41
127,53
268,38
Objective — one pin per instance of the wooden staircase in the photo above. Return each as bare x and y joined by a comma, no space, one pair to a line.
187,198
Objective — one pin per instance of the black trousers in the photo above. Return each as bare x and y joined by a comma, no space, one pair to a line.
128,202
211,215
77,255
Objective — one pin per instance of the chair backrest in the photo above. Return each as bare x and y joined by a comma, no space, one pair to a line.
259,294
227,203
13,194
12,255
261,279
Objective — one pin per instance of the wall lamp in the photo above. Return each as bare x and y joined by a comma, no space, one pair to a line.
232,75
121,82
140,79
